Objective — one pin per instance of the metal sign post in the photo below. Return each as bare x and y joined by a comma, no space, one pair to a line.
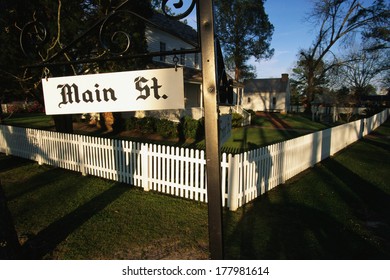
213,163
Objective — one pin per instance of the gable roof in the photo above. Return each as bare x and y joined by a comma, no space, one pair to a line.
278,85
175,28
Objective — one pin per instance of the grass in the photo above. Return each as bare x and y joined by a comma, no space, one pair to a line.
339,209
56,211
264,131
40,121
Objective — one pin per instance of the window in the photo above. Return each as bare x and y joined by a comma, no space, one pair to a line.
163,48
182,58
249,100
196,60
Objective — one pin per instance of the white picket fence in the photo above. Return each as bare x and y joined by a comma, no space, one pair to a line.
182,172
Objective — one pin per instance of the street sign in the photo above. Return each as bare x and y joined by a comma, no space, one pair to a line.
225,128
157,89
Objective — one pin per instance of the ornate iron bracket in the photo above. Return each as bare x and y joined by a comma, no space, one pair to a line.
34,35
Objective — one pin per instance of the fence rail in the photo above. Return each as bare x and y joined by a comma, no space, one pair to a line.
181,172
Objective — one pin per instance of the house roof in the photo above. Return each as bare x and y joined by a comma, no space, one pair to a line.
190,74
266,85
185,33
175,28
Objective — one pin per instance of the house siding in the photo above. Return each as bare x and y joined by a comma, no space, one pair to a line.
155,36
267,95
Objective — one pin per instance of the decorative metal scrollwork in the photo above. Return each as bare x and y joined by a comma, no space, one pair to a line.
111,38
178,5
117,35
32,38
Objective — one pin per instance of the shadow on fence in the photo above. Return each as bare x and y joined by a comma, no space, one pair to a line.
178,171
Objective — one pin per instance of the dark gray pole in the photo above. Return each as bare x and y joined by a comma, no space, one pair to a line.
213,163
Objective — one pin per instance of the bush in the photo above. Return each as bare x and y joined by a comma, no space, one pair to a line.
166,128
131,123
35,107
237,120
191,128
147,125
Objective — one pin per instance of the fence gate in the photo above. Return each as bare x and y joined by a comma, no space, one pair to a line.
34,33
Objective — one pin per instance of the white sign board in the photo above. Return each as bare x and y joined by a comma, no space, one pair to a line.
225,128
157,89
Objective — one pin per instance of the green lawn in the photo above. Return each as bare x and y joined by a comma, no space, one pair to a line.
40,121
339,209
262,132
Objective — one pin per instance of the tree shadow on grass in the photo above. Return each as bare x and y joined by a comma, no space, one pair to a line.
35,183
38,246
289,230
370,140
280,225
9,243
371,203
11,162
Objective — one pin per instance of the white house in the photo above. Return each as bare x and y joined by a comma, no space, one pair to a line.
267,94
164,34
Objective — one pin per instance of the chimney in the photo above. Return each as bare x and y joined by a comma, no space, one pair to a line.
285,78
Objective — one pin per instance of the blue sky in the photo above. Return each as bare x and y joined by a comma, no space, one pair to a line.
291,33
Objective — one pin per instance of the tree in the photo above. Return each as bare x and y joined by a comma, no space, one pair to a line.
360,68
52,26
336,20
378,31
244,30
307,80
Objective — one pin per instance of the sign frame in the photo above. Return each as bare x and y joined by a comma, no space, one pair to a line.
155,89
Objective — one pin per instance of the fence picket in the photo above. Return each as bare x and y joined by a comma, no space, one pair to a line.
181,172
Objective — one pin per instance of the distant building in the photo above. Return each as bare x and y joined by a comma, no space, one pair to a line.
272,95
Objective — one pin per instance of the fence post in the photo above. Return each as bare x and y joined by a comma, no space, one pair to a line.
233,184
39,149
145,166
81,155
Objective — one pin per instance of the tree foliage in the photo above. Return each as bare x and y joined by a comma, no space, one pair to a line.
56,33
360,68
64,21
337,21
245,31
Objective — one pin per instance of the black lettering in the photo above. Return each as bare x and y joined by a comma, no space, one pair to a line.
112,92
141,89
87,96
97,93
155,88
67,94
70,94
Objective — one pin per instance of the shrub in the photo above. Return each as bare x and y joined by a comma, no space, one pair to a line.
190,128
34,107
166,128
237,120
131,123
147,124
